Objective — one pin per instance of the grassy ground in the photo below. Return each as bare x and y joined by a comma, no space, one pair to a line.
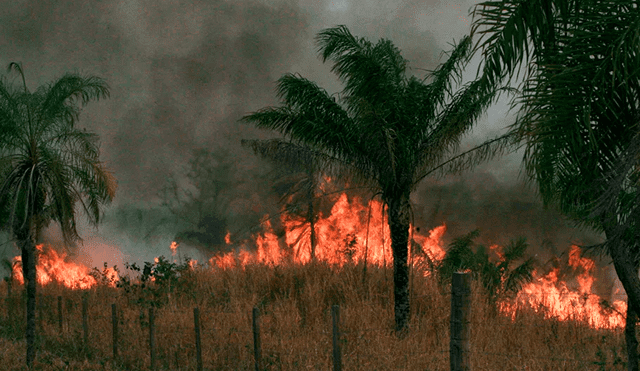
295,304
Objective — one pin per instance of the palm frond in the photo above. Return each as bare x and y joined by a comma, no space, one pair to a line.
466,160
368,71
516,249
441,80
47,165
61,99
519,276
459,256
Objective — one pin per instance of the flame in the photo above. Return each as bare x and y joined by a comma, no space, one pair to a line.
341,237
52,267
174,247
432,245
227,238
111,276
268,248
354,231
553,297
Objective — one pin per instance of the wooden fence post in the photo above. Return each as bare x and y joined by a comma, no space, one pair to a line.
60,314
85,323
152,343
337,354
196,323
460,307
257,351
114,320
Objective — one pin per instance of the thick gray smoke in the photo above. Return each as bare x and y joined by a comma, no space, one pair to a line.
183,72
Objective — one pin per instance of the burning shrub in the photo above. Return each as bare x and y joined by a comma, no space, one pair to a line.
107,276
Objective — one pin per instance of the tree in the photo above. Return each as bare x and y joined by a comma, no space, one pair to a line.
204,206
387,129
47,166
579,112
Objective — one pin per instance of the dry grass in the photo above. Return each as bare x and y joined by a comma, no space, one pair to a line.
295,303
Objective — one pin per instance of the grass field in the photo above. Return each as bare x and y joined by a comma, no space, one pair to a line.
295,304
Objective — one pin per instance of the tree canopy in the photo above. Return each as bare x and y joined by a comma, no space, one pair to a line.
387,128
48,166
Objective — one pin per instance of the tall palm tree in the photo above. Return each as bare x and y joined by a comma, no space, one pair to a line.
580,112
47,165
387,128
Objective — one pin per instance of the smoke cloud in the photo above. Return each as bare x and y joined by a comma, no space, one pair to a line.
182,73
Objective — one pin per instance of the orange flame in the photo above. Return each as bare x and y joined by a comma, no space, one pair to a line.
227,238
554,299
341,237
353,232
174,247
52,267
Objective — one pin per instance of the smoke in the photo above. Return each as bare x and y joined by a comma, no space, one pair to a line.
502,210
182,73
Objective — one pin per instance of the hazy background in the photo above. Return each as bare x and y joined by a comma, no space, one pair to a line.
183,72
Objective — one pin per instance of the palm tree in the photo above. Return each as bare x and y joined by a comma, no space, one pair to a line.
579,112
387,128
47,165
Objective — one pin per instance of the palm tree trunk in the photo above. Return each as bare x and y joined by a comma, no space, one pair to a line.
628,275
630,337
312,225
399,223
626,267
630,333
311,216
29,274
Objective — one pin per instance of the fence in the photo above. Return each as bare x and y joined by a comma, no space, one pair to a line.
460,350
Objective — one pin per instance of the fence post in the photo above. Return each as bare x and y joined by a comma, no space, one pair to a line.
60,314
196,323
257,351
460,308
85,324
337,354
114,320
152,344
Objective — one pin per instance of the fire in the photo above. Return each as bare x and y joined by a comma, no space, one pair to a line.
268,253
52,267
432,245
174,247
355,232
341,237
552,297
